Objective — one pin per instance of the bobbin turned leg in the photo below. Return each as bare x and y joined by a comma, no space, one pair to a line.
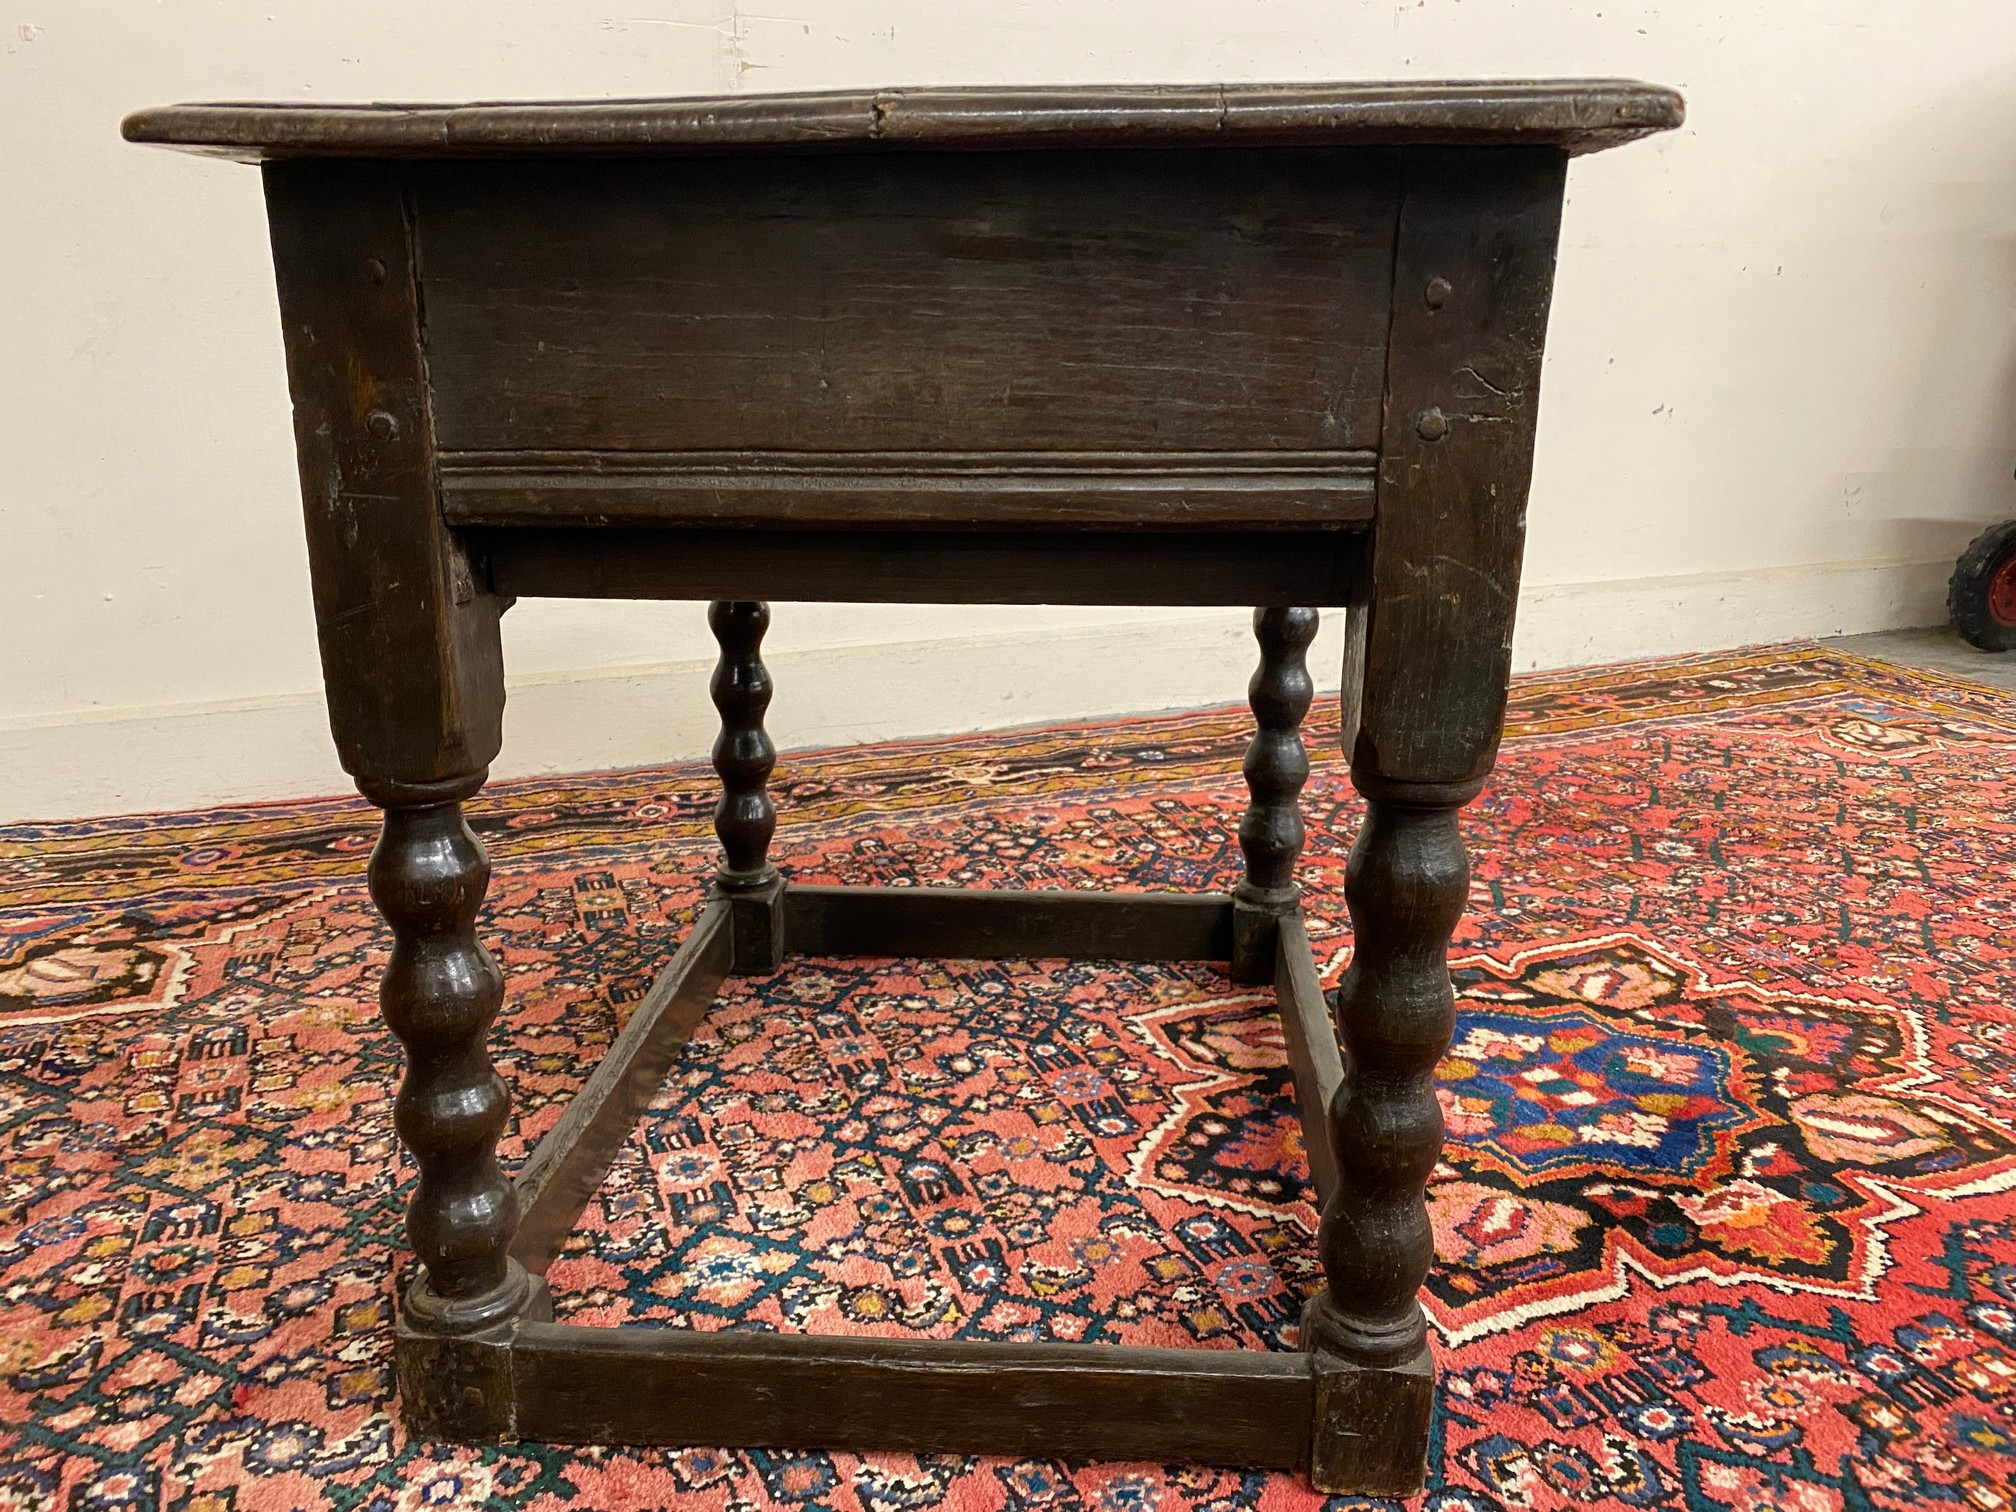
439,995
1473,262
1405,885
745,818
413,672
1276,767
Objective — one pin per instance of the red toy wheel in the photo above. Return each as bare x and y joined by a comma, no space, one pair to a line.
1982,595
2002,592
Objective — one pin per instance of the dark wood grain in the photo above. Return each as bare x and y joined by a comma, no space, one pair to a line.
744,816
1159,490
1474,272
413,672
1351,677
1313,1057
1276,766
1018,301
439,994
1406,883
455,1386
560,1176
1322,568
1372,1424
412,664
1576,115
967,346
921,1396
990,924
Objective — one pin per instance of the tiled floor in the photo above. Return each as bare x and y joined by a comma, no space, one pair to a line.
1934,650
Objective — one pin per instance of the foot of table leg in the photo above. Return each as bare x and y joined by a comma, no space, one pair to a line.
439,994
1276,767
756,924
1369,1436
1406,885
455,1387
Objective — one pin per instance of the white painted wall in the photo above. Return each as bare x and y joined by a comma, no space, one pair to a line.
1780,395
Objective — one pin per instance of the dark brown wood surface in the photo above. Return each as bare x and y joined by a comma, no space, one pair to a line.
924,1396
1016,302
457,1386
1276,767
439,994
1576,115
413,673
1371,1426
1321,568
745,817
411,659
1162,490
1474,272
977,347
1313,1057
559,1177
987,924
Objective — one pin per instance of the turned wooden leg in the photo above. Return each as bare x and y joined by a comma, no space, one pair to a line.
1405,885
745,818
439,994
412,666
1276,767
1472,262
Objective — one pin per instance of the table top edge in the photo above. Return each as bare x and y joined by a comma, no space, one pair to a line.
1575,115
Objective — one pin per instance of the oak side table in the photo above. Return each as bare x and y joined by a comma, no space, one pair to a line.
1252,345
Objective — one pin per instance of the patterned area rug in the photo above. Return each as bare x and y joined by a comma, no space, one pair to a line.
1725,1220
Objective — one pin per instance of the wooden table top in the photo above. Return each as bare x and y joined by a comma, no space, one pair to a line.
1576,115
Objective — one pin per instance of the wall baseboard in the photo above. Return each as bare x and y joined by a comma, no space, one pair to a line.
99,761
1579,624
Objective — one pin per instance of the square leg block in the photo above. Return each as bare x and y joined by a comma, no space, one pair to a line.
756,918
1370,1435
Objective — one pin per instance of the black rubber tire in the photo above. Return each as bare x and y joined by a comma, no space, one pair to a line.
1967,592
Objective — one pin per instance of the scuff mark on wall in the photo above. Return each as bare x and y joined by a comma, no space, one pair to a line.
725,23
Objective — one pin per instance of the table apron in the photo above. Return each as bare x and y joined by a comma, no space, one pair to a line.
1274,490
1320,568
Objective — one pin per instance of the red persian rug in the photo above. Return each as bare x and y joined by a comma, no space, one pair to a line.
1726,1218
